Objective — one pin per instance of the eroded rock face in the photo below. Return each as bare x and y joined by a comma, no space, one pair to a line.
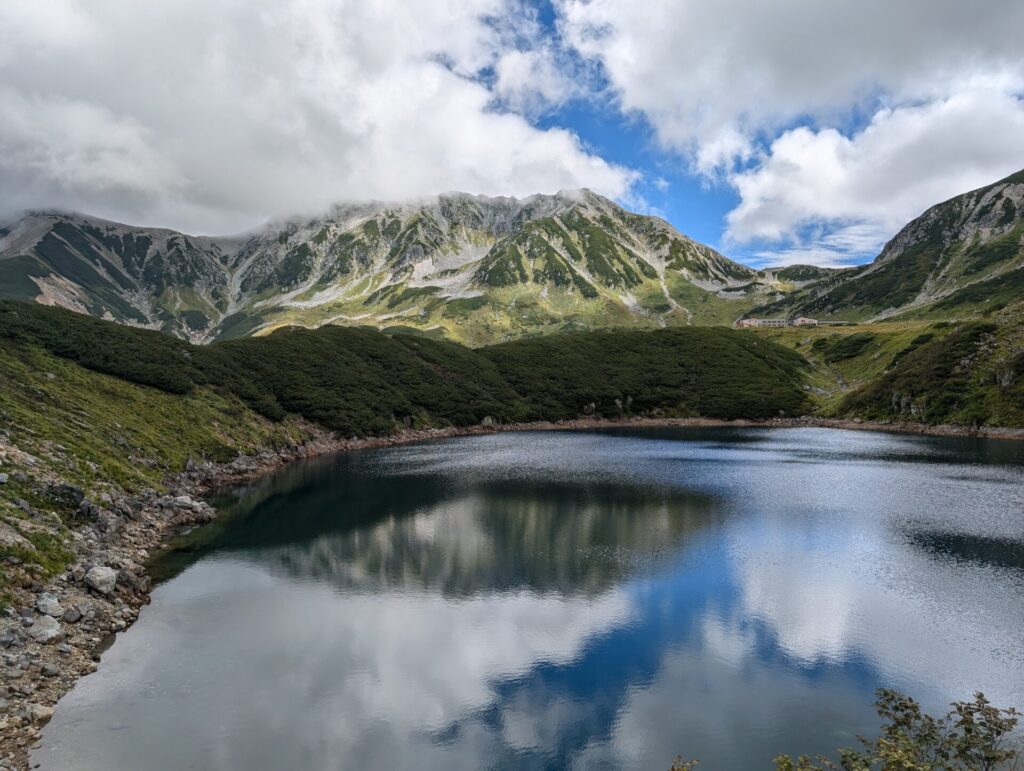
102,579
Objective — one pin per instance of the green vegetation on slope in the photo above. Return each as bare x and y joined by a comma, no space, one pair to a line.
836,348
955,375
681,372
984,297
843,358
360,381
100,432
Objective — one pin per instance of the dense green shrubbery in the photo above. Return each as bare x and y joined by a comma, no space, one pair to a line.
706,371
361,381
937,381
835,348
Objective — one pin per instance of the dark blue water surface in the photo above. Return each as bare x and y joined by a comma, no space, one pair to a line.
587,599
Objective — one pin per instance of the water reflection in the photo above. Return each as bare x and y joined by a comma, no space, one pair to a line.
992,552
545,538
589,600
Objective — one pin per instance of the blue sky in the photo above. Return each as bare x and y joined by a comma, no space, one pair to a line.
778,133
694,206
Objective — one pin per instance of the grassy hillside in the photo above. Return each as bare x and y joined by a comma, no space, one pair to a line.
970,373
61,423
966,372
844,358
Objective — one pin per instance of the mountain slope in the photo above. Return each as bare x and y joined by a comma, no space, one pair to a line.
466,267
961,257
360,381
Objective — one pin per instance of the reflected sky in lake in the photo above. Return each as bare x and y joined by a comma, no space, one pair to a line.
589,599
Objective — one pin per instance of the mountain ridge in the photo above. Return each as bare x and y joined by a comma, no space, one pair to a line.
457,265
950,260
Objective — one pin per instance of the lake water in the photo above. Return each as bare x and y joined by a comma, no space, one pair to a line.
588,599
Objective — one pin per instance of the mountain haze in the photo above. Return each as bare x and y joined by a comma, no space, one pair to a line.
471,268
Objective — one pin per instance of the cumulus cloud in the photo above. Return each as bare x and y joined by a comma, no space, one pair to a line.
870,183
214,115
710,74
772,98
533,81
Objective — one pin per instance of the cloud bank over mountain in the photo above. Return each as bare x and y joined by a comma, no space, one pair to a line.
213,115
814,128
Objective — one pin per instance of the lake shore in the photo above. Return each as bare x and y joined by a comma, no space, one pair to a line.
62,625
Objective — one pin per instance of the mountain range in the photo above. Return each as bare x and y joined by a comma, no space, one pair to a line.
468,268
480,270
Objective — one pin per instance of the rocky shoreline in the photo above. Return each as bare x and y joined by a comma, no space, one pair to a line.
58,628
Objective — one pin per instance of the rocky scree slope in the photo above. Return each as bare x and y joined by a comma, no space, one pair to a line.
468,268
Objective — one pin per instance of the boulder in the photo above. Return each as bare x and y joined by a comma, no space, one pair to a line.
88,510
48,604
45,630
38,713
71,494
102,579
3,479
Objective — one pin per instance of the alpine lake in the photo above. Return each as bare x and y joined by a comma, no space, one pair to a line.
569,599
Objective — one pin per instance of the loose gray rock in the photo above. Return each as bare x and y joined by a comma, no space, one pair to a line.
102,579
45,630
72,615
48,604
38,713
3,479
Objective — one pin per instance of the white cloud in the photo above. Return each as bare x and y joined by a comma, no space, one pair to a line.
846,245
533,81
940,81
871,183
213,115
710,74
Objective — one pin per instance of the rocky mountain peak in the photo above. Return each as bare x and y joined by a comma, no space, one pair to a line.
472,267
